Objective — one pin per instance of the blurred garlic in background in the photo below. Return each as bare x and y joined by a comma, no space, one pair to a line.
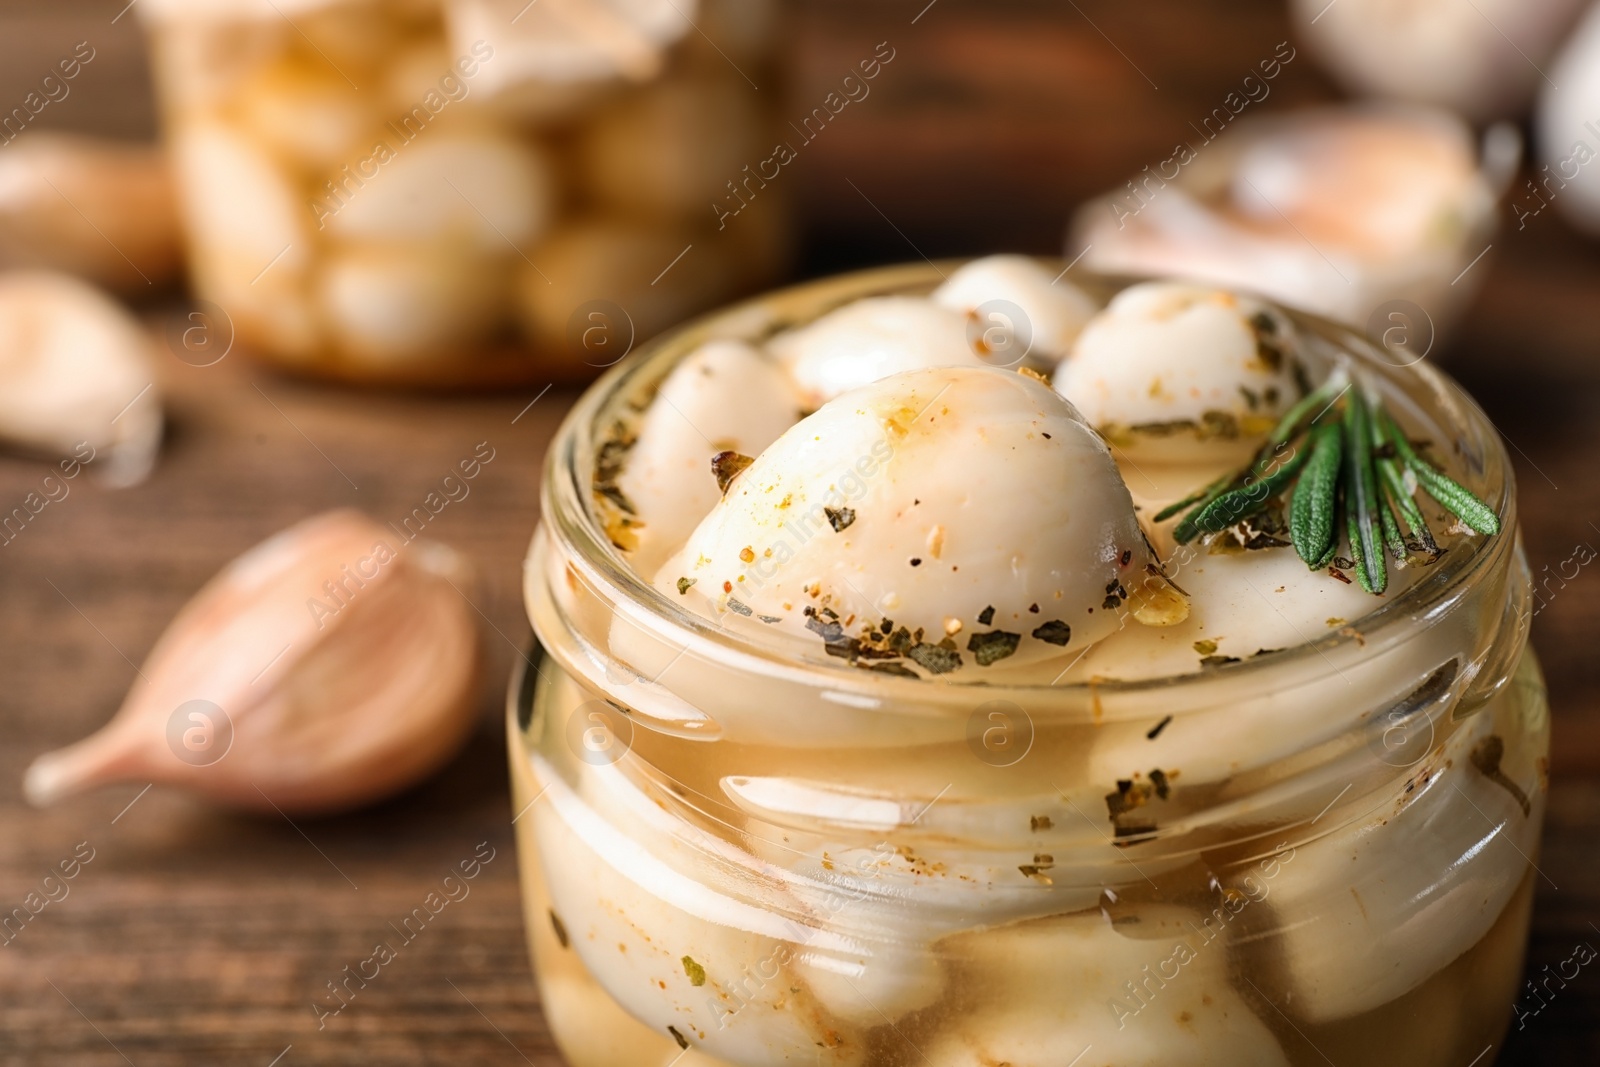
1568,133
76,369
330,666
1480,58
1333,210
100,209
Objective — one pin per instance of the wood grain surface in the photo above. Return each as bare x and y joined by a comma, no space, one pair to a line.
199,937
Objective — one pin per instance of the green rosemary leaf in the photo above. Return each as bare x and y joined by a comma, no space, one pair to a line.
1234,505
1201,497
1313,404
1361,498
1311,509
1326,561
1359,554
1391,530
1446,490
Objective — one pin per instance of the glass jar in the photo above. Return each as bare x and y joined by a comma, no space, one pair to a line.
729,856
459,191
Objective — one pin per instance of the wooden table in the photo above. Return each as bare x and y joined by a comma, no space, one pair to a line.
196,936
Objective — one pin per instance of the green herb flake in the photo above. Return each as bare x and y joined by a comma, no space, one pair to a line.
682,1041
933,659
840,518
696,973
684,584
993,646
1039,822
727,466
1054,632
738,607
986,616
1205,647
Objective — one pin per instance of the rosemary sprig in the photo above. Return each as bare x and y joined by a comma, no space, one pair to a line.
1439,485
1361,495
1312,508
1347,481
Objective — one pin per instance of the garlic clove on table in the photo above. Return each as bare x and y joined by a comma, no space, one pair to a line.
104,210
327,667
76,376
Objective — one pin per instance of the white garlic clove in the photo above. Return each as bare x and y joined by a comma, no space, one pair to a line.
331,665
387,305
668,151
309,114
567,43
870,339
1482,59
724,396
1177,371
598,286
970,504
1054,311
1567,122
492,191
77,377
104,210
1334,210
1148,990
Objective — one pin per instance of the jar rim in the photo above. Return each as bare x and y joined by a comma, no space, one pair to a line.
569,518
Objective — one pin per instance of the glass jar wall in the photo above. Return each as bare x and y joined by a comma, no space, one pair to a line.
1325,853
459,190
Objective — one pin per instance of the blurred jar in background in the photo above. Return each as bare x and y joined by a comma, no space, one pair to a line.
464,191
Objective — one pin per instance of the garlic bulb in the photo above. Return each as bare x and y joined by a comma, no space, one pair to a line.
76,376
1179,372
1481,58
871,339
1569,135
1334,210
969,511
101,209
331,665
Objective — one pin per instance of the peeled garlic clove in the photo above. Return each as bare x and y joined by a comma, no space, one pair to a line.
101,209
386,305
724,396
331,665
308,113
1334,210
870,339
668,151
1568,142
1054,311
493,191
76,376
1481,59
1177,371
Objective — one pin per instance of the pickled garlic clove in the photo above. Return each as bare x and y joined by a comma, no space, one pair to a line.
104,210
1567,144
76,376
327,667
1183,373
724,396
1053,311
868,340
956,517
